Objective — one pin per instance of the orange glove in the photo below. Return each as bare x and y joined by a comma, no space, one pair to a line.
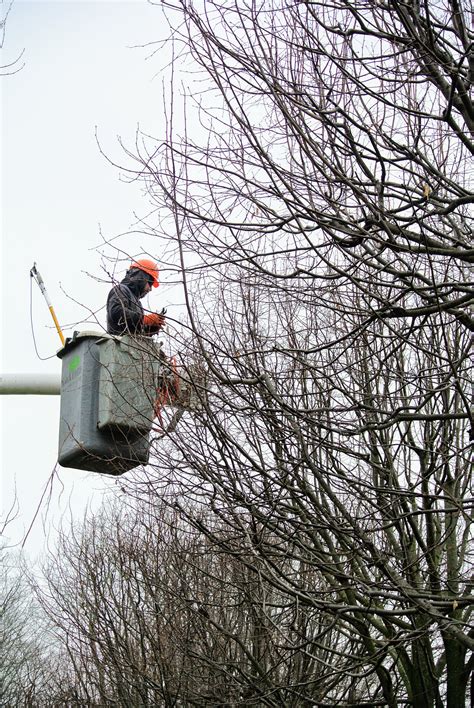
153,322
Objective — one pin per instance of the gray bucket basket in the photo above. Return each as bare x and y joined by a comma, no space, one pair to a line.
108,391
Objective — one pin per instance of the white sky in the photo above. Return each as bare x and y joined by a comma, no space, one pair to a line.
57,190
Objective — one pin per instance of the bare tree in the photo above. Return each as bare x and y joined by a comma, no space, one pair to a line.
26,657
322,221
160,616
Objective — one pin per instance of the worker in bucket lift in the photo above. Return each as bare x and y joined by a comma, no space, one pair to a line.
125,314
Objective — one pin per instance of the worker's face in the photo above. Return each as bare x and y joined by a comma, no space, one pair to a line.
147,286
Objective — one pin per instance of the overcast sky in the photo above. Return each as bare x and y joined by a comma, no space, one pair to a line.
58,194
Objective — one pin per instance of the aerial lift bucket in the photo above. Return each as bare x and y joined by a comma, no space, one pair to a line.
108,392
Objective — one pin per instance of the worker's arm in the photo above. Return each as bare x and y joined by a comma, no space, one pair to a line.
124,312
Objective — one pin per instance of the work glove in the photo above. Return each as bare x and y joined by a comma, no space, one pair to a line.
154,322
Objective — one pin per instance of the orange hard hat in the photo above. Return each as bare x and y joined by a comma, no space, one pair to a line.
147,266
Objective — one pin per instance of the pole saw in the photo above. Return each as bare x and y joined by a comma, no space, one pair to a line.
34,273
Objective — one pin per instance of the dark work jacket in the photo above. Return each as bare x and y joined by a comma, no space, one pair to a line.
124,309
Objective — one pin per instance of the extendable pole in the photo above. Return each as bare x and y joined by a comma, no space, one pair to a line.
36,275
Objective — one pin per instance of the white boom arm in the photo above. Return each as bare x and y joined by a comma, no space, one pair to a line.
30,384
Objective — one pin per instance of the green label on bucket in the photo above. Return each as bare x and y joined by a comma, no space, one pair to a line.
74,363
